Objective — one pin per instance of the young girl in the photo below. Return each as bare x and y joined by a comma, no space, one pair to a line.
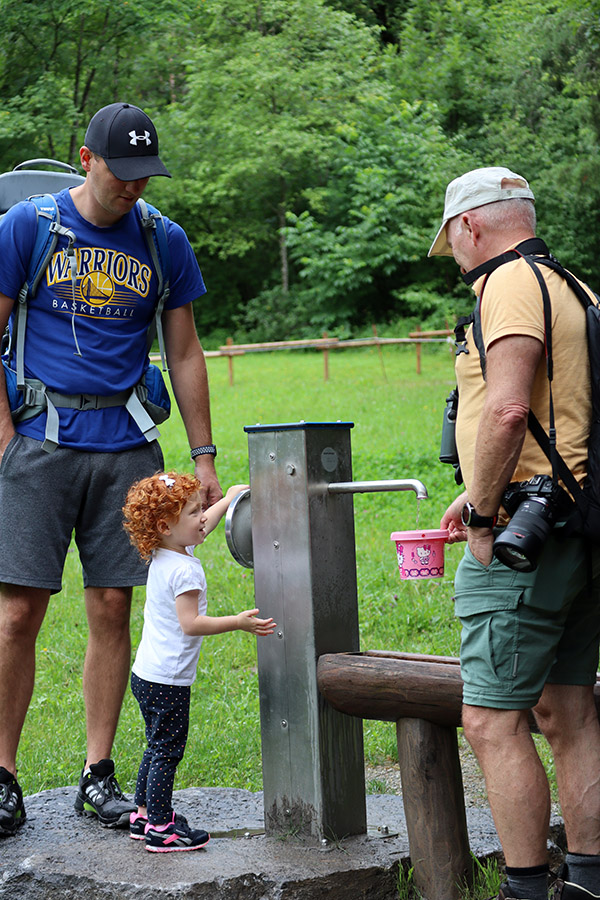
165,521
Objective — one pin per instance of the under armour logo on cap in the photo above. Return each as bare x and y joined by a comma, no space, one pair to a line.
125,137
139,137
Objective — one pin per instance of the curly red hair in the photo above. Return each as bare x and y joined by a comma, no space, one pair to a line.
159,497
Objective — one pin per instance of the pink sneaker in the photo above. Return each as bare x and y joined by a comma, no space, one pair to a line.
175,835
137,826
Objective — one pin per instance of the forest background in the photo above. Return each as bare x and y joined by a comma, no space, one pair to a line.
310,141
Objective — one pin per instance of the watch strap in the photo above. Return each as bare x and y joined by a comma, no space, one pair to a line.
471,518
205,450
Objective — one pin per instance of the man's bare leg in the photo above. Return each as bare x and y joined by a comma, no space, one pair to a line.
105,676
106,668
517,786
22,611
567,717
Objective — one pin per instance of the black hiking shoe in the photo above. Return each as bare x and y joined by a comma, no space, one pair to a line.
504,894
568,890
100,795
12,809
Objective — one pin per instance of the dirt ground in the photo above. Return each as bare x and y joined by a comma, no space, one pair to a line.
385,779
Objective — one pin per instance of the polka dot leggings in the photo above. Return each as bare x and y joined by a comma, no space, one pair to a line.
166,712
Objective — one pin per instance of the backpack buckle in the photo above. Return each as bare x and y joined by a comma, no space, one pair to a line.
88,401
33,396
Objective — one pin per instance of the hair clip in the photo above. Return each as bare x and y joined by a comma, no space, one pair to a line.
167,480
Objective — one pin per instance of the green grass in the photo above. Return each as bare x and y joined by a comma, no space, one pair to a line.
484,883
397,418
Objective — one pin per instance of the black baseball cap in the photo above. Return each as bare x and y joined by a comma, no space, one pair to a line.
124,136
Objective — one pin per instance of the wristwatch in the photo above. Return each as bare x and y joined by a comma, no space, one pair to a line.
472,519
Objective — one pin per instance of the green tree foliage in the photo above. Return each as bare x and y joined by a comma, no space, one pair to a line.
387,15
359,249
310,142
270,84
61,61
518,86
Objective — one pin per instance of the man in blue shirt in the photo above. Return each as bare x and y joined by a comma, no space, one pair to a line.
86,336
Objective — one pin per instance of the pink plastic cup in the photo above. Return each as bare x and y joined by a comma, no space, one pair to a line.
420,553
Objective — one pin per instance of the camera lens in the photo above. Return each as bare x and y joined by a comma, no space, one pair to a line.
521,542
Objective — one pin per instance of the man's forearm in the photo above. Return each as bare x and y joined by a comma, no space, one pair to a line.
497,449
189,380
511,367
7,428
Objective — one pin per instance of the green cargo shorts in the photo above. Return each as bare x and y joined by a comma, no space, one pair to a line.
521,630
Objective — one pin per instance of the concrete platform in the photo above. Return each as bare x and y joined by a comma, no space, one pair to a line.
60,855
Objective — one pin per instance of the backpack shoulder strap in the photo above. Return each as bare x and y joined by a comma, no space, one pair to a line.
48,229
46,238
155,232
534,256
530,249
580,292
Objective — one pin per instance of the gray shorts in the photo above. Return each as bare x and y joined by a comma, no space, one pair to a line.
522,630
47,498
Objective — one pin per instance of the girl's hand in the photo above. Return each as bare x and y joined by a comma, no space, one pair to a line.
247,621
234,490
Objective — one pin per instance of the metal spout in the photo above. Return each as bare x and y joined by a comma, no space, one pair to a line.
363,487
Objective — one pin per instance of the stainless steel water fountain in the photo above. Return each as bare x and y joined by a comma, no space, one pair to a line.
302,549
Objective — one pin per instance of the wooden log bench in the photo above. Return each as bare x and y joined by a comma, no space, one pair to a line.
423,696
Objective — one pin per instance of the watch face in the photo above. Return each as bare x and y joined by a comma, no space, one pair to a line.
472,519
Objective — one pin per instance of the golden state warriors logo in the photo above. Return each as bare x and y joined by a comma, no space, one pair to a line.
96,288
109,283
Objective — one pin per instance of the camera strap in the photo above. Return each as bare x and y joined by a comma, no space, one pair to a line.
559,466
524,250
532,246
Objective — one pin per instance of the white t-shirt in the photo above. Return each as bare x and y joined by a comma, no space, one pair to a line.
167,655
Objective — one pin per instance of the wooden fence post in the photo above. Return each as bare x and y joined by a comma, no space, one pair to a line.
325,361
434,805
375,335
418,348
229,343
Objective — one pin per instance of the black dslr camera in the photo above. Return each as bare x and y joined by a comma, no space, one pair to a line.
534,507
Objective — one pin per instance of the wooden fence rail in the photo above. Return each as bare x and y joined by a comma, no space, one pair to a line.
325,344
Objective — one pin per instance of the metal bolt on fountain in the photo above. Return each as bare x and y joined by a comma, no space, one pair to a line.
298,535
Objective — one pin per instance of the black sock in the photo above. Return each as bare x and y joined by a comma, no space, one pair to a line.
584,870
530,883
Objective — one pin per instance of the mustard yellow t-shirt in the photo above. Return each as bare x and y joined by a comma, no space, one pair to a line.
512,305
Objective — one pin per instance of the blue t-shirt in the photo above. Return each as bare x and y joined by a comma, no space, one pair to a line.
94,343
